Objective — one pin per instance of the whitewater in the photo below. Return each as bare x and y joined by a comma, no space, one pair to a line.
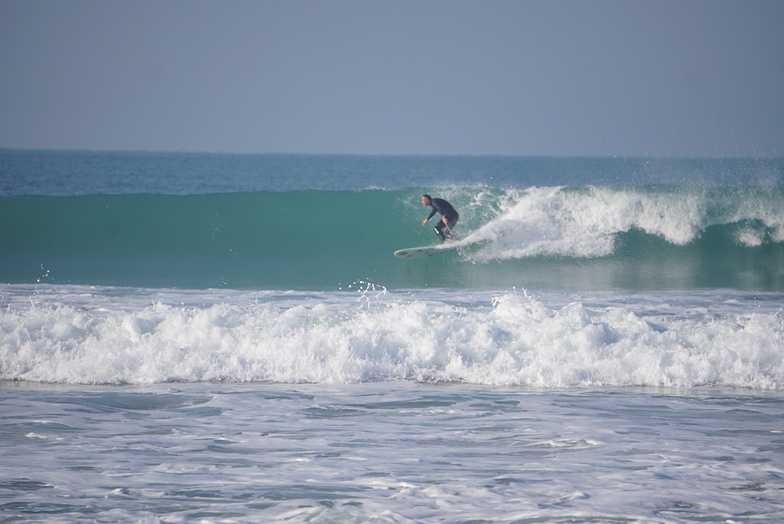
228,338
61,335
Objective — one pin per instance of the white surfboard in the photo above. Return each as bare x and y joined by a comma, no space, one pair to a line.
426,251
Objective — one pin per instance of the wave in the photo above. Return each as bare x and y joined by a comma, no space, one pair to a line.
587,222
512,340
646,236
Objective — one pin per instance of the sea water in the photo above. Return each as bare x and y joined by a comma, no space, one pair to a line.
228,338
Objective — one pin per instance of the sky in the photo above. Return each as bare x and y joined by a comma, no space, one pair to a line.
668,78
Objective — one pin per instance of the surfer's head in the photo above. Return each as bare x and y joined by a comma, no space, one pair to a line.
426,200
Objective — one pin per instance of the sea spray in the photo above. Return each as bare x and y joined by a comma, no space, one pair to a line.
586,222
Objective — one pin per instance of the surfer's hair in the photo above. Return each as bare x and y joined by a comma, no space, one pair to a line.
428,197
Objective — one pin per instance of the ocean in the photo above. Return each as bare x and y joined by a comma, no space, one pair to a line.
228,338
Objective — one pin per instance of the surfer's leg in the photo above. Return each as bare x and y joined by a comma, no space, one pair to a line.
439,232
448,229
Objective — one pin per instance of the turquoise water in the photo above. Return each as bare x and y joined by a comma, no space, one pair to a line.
87,172
322,222
228,338
640,237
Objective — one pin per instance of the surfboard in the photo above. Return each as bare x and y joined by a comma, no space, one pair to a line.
426,251
416,252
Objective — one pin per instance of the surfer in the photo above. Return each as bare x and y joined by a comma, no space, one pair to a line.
448,214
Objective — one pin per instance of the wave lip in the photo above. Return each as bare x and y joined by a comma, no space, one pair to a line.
513,341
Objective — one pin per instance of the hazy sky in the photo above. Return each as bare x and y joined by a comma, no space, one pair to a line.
639,78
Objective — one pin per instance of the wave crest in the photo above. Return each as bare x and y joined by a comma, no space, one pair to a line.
586,223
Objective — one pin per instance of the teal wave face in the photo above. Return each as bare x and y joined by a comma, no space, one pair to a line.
248,239
550,237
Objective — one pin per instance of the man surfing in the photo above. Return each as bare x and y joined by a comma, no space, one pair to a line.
448,214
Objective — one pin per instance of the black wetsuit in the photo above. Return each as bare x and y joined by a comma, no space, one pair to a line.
443,207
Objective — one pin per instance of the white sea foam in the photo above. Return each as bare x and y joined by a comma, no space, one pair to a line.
380,452
585,222
508,339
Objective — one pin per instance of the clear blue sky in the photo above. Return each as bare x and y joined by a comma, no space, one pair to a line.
626,77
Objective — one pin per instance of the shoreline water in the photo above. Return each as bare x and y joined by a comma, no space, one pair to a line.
390,452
